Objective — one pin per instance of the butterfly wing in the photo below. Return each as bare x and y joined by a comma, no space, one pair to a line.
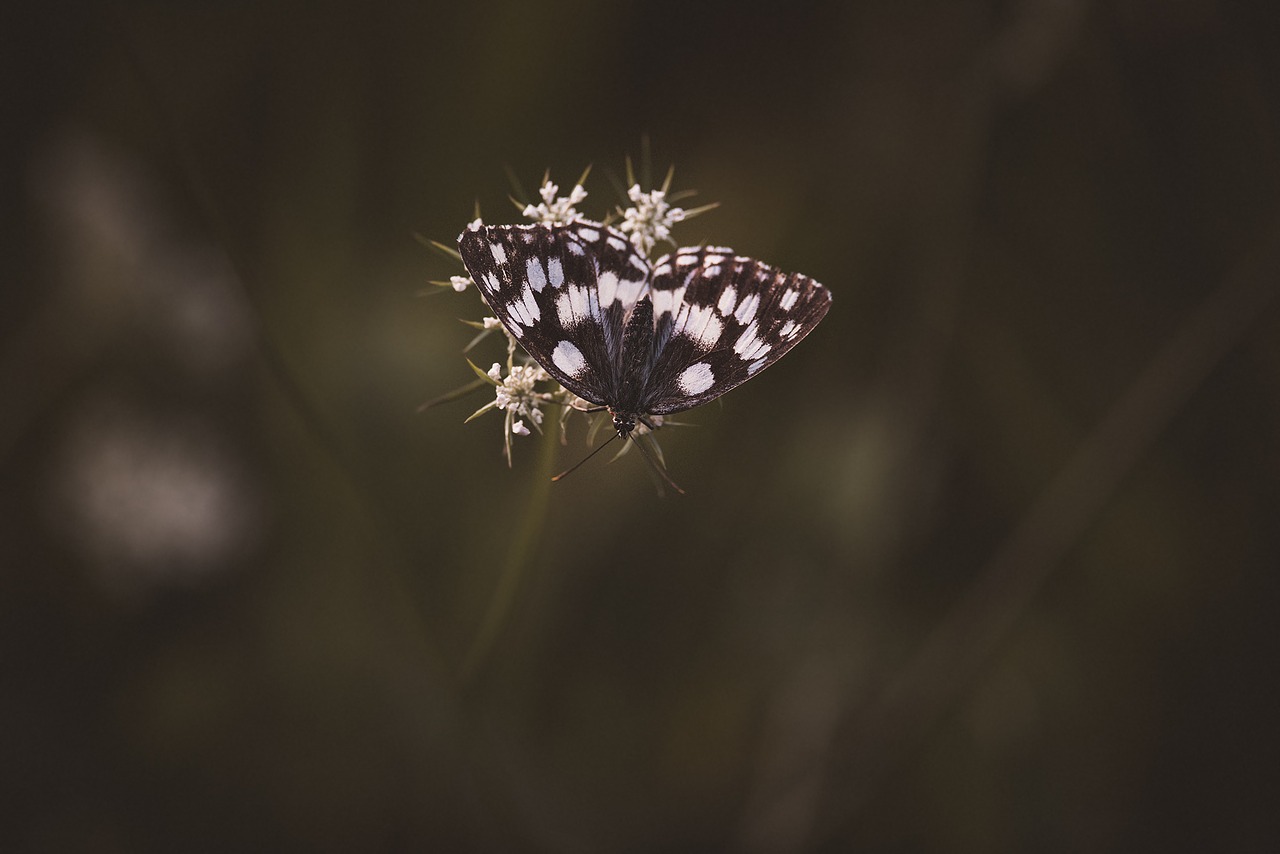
622,277
719,319
543,283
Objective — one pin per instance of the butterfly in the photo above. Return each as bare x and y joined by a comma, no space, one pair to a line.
638,338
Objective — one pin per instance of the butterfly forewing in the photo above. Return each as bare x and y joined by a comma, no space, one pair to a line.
541,282
720,319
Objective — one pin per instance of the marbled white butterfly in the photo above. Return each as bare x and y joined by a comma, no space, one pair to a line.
641,339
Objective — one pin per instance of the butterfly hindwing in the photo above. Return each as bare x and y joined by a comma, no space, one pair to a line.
541,283
720,319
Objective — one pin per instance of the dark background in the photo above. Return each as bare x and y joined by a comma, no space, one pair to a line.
988,563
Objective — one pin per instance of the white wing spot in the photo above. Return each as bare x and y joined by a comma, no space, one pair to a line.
537,275
629,290
499,253
531,305
712,271
616,243
747,309
519,314
756,365
696,379
749,344
564,309
686,260
789,299
700,324
555,272
607,284
589,234
593,301
712,260
569,359
788,329
491,280
668,302
663,269
728,300
581,304
576,249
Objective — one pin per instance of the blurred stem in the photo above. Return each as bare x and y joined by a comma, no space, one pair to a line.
519,555
952,657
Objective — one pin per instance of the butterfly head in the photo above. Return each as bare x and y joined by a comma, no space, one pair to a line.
623,423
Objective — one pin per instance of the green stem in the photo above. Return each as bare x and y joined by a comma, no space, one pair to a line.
519,556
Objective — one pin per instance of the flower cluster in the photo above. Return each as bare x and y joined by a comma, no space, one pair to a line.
518,395
521,388
649,219
555,210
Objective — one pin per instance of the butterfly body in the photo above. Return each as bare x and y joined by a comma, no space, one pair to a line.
640,338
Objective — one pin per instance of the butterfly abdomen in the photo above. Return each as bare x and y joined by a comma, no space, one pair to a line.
633,364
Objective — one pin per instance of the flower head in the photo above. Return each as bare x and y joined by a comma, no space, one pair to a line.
650,218
460,283
555,210
517,393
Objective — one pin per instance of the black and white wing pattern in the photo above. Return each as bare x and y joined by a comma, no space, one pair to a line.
720,319
640,340
564,292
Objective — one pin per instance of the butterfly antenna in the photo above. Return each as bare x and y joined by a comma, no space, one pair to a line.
656,466
575,466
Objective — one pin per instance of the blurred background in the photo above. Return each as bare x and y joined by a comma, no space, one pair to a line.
988,563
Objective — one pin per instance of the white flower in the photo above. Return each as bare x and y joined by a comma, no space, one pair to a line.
651,218
517,392
460,283
491,323
519,429
553,210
